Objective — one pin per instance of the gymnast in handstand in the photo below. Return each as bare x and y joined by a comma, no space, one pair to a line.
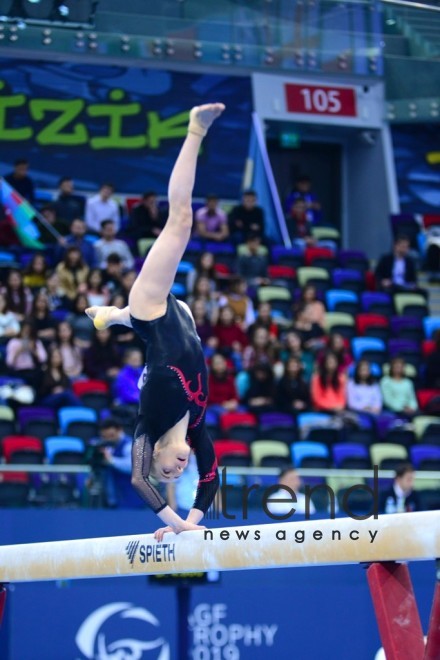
173,395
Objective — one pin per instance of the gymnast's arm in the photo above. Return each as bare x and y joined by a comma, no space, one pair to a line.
208,475
142,454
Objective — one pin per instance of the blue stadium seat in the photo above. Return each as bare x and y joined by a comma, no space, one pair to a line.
63,443
303,449
75,414
430,325
335,297
369,345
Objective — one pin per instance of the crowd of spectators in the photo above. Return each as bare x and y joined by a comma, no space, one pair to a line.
265,354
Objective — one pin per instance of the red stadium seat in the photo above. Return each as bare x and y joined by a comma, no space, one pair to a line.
281,272
425,397
311,254
428,347
82,387
364,321
15,443
14,477
131,202
228,447
230,419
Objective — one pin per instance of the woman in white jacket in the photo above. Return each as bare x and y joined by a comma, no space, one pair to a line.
363,393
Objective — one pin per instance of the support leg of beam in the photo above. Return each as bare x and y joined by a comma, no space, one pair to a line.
2,601
396,611
432,651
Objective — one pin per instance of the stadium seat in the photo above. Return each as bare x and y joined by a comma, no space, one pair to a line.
407,327
277,426
14,494
429,499
239,426
82,387
354,259
261,449
228,447
423,454
369,348
349,279
326,234
431,324
422,423
143,245
293,257
75,414
360,502
426,398
66,445
341,323
303,449
339,300
34,413
318,277
7,414
15,448
377,302
277,272
379,452
372,325
344,451
327,436
84,430
410,304
319,257
400,436
308,420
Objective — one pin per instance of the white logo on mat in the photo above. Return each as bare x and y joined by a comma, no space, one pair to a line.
91,638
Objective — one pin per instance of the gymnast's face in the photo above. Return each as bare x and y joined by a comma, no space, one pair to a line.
170,461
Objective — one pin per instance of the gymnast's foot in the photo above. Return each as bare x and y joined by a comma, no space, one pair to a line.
101,316
202,116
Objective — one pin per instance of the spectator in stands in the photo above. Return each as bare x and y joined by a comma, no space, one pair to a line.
328,386
97,293
112,273
432,365
229,335
146,220
72,273
237,298
312,335
102,360
126,382
264,320
363,392
18,296
26,355
55,295
68,205
246,218
203,291
211,221
71,355
9,326
315,308
222,391
289,481
77,238
36,272
42,320
298,223
303,190
128,278
123,336
114,445
292,347
260,350
21,181
397,390
82,331
60,227
293,393
338,345
261,393
201,319
396,271
109,244
401,496
204,268
102,207
56,389
252,262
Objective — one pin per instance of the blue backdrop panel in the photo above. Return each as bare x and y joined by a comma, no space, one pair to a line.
101,123
417,159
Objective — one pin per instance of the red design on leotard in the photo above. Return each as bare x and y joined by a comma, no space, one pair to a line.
196,397
211,474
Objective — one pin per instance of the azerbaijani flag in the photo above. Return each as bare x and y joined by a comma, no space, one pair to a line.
22,215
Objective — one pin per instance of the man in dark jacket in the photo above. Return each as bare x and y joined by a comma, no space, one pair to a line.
401,497
396,271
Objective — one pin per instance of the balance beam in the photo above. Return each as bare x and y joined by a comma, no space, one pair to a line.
405,536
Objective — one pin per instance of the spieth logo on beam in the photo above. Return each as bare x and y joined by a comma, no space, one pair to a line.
150,553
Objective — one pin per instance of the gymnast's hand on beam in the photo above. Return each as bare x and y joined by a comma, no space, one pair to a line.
184,526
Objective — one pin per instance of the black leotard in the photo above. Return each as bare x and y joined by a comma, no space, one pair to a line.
175,383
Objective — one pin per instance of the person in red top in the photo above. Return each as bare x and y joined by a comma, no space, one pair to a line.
228,332
328,386
221,386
